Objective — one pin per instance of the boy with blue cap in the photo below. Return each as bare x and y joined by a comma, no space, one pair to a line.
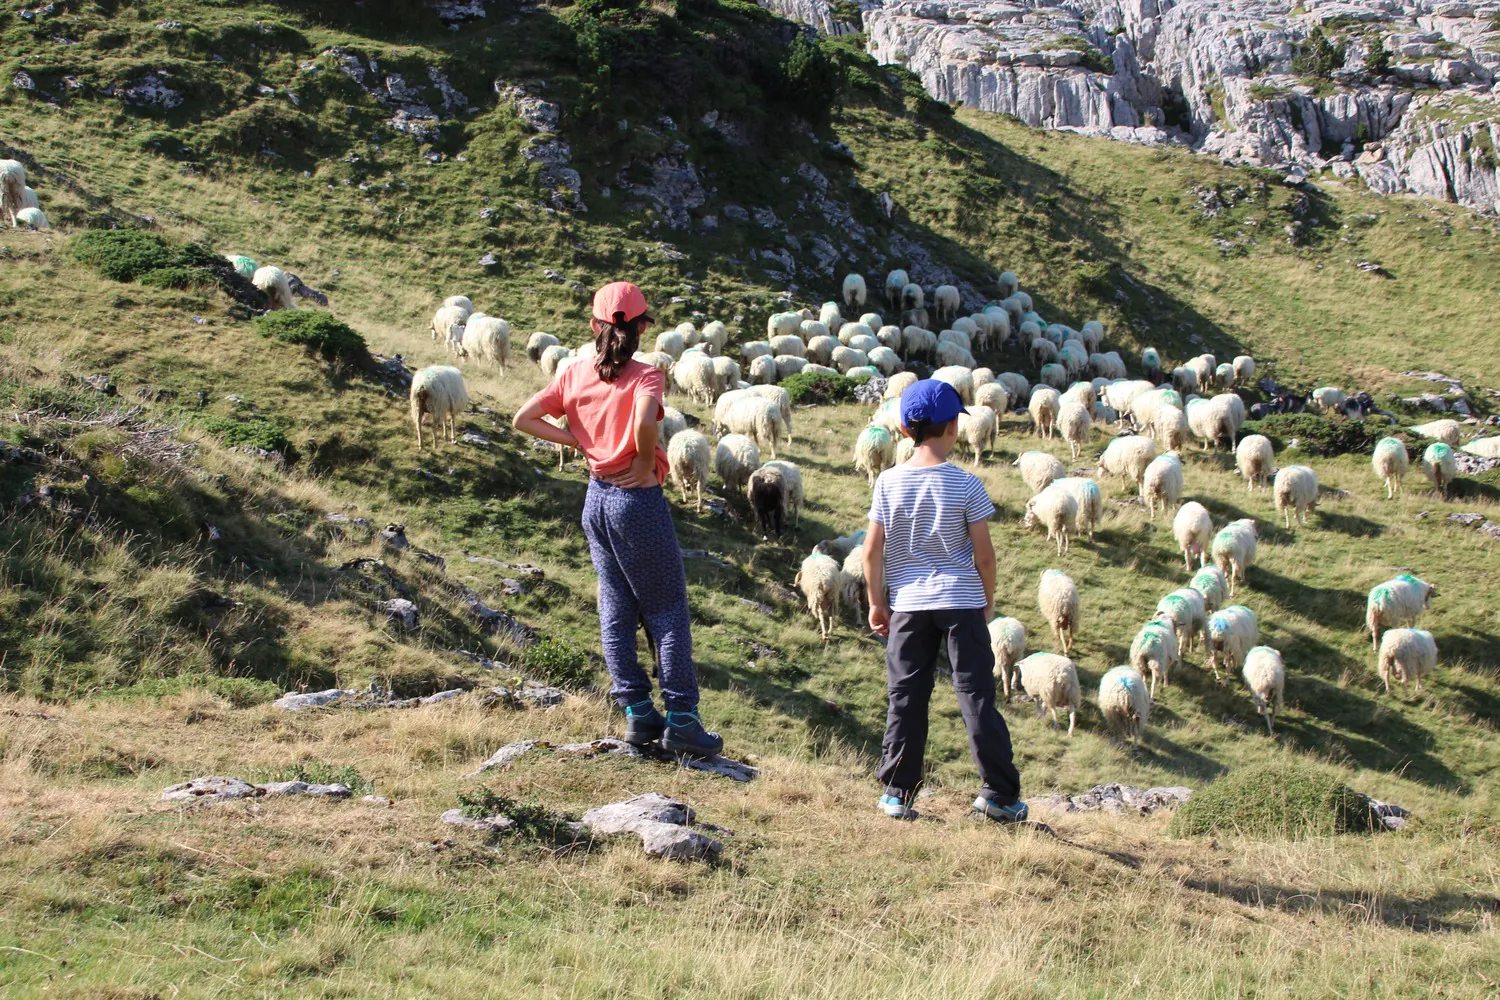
929,543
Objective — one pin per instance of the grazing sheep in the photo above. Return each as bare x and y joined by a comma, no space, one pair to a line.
1185,380
992,395
1143,406
905,448
735,458
950,354
848,331
1255,458
1008,283
688,455
1406,654
536,344
1053,375
694,375
1074,421
671,342
918,343
1193,528
1390,463
726,373
1233,550
1107,365
853,581
854,290
438,392
1265,674
1051,681
1090,500
874,452
912,297
820,349
890,336
1154,649
1042,352
487,338
1224,375
755,416
752,349
1008,643
788,343
1439,466
899,383
946,301
32,217
460,302
1170,427
874,321
1328,399
961,379
1212,584
1296,490
1151,363
656,359
1244,369
1092,334
845,358
1017,389
1038,469
763,370
1044,406
1212,421
1162,481
821,582
1203,369
1058,598
1125,702
895,281
1232,633
783,324
1056,509
278,289
552,358
884,360
788,365
1398,601
1127,457
829,318
1188,611
792,476
770,498
977,427
12,188
672,422
1122,395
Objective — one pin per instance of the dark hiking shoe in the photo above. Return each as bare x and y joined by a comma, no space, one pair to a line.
643,724
1015,812
685,734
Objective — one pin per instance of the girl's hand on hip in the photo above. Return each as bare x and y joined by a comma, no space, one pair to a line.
637,477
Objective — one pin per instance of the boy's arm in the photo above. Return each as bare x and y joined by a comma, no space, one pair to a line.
984,562
880,608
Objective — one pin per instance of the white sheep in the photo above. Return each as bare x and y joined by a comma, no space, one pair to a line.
1193,527
1244,369
885,360
688,456
1439,466
1054,375
1107,365
1488,447
1008,643
735,458
1051,681
848,331
912,297
689,334
1127,457
977,427
1124,702
895,281
982,376
962,380
1406,654
1056,509
992,394
829,318
820,349
763,370
1153,652
873,320
536,344
1074,421
673,422
1233,550
752,349
1187,609
1162,482
671,342
1224,375
1092,334
1396,602
1057,596
1044,406
819,577
1121,395
755,416
1232,632
12,189
890,336
1042,351
1328,399
1213,585
1143,406
694,375
918,342
874,452
845,358
1390,463
278,289
1017,388
1008,283
783,324
1090,501
1265,674
788,343
552,359
1203,369
1185,380
460,302
1212,421
1296,491
1150,360
487,338
899,383
726,373
966,325
32,217
854,290
438,392
946,301
1255,459
1038,469
1170,427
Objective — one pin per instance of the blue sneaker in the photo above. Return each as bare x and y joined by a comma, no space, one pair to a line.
895,808
643,724
685,734
1016,812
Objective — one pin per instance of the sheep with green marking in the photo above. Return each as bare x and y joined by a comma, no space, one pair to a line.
874,452
1440,467
1398,601
1390,463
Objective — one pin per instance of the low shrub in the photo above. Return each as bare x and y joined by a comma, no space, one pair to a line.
818,388
256,432
1319,435
557,662
532,820
1287,798
316,331
317,772
133,255
177,277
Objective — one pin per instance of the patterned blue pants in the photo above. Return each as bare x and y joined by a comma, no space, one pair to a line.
635,553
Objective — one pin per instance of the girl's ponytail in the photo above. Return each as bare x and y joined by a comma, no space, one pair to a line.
614,344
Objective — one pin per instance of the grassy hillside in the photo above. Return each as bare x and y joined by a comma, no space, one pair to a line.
163,583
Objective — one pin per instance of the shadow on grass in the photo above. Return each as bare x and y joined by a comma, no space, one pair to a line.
1422,915
1340,609
1349,524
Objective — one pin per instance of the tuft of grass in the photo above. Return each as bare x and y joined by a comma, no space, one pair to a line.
1286,798
557,662
317,772
317,331
533,821
256,432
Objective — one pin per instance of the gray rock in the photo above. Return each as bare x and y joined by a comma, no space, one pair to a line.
441,696
401,610
663,824
297,702
1118,798
394,535
489,824
722,766
273,789
376,800
212,788
541,695
475,439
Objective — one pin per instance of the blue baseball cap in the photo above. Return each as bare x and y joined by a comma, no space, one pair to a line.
930,401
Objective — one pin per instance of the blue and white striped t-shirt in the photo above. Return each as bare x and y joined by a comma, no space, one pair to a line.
926,512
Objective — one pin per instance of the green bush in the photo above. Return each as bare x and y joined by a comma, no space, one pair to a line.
818,387
316,772
316,331
1317,56
123,254
557,662
256,433
1319,435
1286,798
177,277
810,80
532,820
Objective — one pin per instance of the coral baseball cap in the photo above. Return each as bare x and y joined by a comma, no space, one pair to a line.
619,299
931,402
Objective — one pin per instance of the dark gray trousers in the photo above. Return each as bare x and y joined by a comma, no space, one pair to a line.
910,665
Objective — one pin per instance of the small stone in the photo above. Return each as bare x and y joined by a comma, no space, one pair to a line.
441,696
490,824
541,695
274,789
401,610
214,788
394,535
663,825
376,800
298,702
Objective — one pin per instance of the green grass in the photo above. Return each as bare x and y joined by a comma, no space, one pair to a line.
1286,799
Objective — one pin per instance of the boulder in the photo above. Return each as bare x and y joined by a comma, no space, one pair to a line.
664,826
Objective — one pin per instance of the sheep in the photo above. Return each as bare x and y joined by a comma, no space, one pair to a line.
905,448
1092,334
1056,509
1296,490
756,417
854,290
788,343
1074,357
1328,399
763,370
811,328
770,498
1188,611
1154,649
1044,406
1127,457
1406,654
438,392
899,383
670,342
1488,447
1231,633
1232,410
1244,369
1211,421
1090,500
884,360
820,349
960,378
952,355
1008,283
563,364
968,326
1107,365
1398,601
585,351
487,338
874,452
958,337
1058,599
1169,426
1265,674
890,336
1162,481
735,458
34,218
1390,462
874,321
912,297
1053,375
551,358
783,324
1143,406
536,344
672,422
895,281
460,302
946,301
12,188
656,359
1151,363
845,358
819,577
726,373
888,416
1017,389
1233,550
688,456
1074,421
792,476
977,427
1051,681
1193,528
993,395
1255,458
1039,469
1125,702
1224,375
1211,583
278,290
244,266
1185,380
1122,395
1042,352
829,317
752,349
848,331
1439,466
917,342
694,374
1202,368
1008,643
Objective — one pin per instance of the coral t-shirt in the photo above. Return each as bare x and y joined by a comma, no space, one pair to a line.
600,413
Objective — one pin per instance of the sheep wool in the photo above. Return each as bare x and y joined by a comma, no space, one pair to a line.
486,338
694,375
1231,634
788,365
1057,596
1327,399
820,583
672,422
438,392
854,290
895,281
1090,500
1162,483
1405,655
1265,675
762,370
946,300
1211,583
874,452
1008,283
845,358
828,319
1127,457
788,343
33,218
977,427
884,360
783,324
552,358
769,499
1390,463
1396,602
12,188
1154,650
874,321
1017,389
278,290
688,455
1044,406
1233,550
1038,469
992,395
1296,491
1187,611
671,342
1244,369
1056,509
1051,681
243,266
1254,457
1008,643
1170,427
1074,421
735,458
539,342
1193,528
1125,702
1484,447
1439,466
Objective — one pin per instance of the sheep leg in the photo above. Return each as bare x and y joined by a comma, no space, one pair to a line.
700,496
1072,719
